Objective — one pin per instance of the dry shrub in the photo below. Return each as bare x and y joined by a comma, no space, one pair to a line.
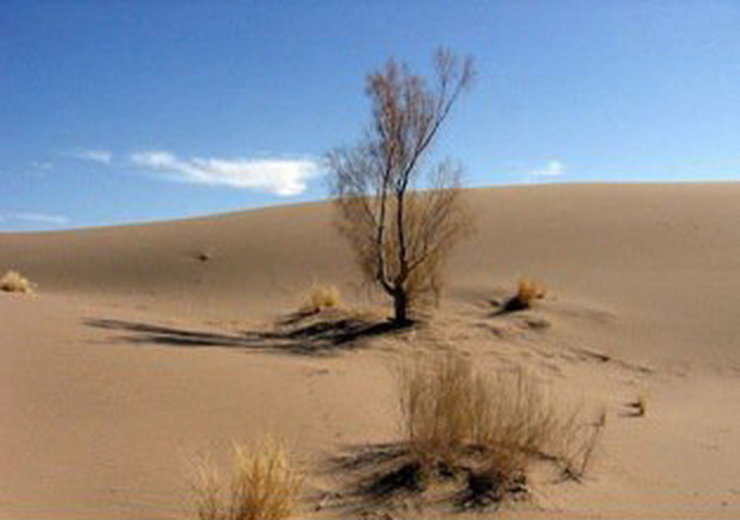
13,281
438,400
527,292
579,451
450,409
321,297
263,485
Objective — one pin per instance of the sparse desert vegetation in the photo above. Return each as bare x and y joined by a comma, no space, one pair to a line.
321,297
475,433
528,291
638,406
457,419
13,281
263,485
461,260
401,236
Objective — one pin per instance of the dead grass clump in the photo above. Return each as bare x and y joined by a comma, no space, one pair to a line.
488,426
263,485
576,460
448,406
321,297
438,400
638,407
527,292
13,281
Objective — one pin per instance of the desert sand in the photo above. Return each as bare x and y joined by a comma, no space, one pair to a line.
146,346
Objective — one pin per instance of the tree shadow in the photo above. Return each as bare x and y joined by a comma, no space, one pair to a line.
298,333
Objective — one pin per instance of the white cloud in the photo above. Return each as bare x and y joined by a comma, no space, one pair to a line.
283,177
37,218
98,156
44,166
39,169
554,168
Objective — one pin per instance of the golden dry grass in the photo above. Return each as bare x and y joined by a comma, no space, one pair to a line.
262,485
321,297
448,407
528,291
13,281
438,394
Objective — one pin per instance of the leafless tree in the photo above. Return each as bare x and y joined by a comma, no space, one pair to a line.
402,236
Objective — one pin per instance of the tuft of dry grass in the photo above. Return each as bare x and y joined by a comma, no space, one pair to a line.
321,297
577,458
450,409
13,281
263,485
439,395
527,292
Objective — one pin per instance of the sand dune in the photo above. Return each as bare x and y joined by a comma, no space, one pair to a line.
147,345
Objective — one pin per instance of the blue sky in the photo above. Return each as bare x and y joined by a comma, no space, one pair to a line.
114,112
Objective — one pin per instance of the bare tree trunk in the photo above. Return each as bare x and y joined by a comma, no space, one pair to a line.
400,307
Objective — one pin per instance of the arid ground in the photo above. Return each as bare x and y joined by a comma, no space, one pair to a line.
145,347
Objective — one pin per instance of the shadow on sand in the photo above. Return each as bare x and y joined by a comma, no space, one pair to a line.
374,477
385,477
298,333
508,306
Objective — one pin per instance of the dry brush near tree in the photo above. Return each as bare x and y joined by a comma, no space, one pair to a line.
492,424
321,297
402,236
